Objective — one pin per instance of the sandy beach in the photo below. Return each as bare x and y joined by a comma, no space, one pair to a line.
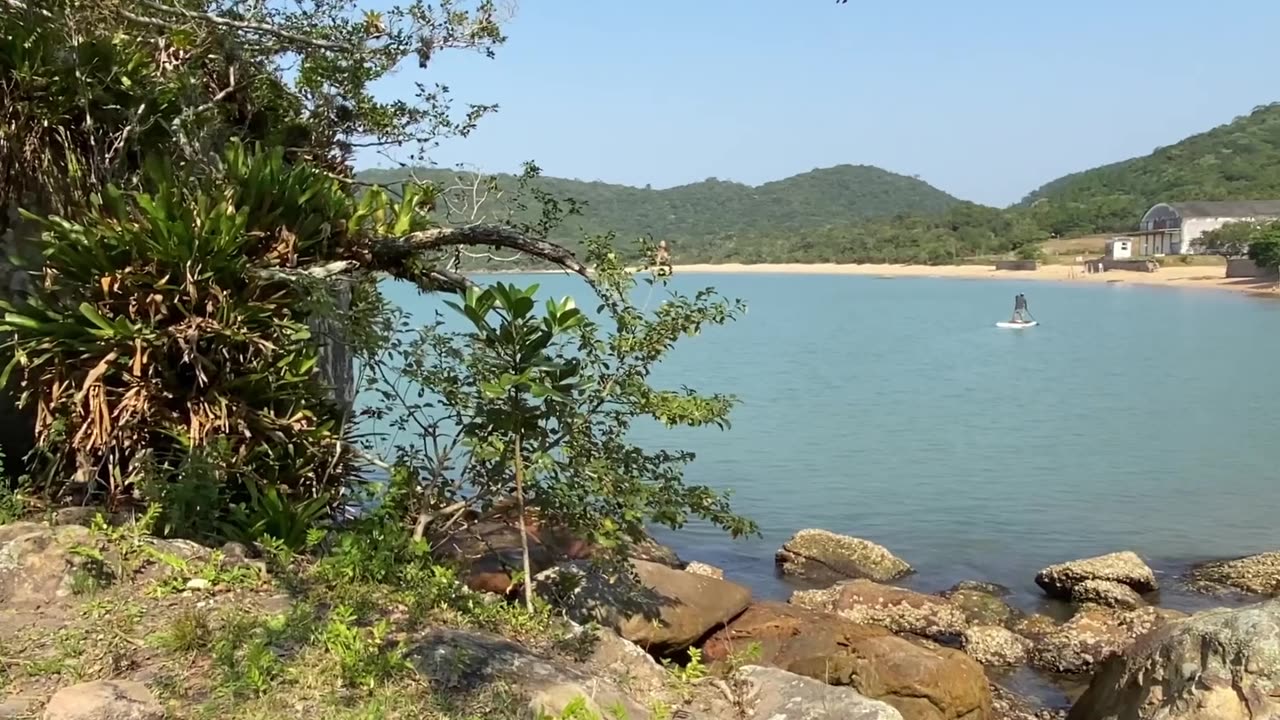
1200,277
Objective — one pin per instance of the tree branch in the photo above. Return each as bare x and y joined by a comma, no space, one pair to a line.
398,251
236,24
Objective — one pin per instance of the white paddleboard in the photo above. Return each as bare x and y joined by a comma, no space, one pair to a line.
1016,325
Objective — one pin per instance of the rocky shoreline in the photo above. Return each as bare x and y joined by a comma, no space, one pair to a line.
850,645
941,656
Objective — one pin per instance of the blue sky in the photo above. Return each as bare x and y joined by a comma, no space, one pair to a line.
985,99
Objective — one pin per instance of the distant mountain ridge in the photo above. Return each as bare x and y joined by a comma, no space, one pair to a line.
711,208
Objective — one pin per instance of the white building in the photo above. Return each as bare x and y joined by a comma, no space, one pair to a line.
1174,228
1119,249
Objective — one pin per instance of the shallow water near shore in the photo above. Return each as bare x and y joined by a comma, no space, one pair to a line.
1131,418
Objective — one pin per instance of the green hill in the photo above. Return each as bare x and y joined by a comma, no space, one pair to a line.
692,215
1236,161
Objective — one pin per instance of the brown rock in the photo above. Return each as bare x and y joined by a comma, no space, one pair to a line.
996,646
1255,574
1093,636
898,609
1215,665
922,680
824,556
1107,594
104,700
661,609
1125,568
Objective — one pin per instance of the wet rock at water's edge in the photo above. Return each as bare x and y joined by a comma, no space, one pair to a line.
1254,574
1107,594
821,556
1125,568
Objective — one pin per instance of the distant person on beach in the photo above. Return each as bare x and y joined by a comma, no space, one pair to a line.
662,259
1020,308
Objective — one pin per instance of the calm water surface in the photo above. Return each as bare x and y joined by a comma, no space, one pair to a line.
1133,418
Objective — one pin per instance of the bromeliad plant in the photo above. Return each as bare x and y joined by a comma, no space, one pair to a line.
172,318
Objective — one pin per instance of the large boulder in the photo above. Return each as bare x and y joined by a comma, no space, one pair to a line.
1215,665
1256,574
982,606
922,680
1125,568
659,608
898,609
104,700
1093,636
773,694
824,557
996,646
462,661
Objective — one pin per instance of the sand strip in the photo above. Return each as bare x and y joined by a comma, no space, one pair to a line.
1191,276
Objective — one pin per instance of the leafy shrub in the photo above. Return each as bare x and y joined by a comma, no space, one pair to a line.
160,330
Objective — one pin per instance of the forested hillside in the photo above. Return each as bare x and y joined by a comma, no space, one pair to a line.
865,214
1236,161
703,210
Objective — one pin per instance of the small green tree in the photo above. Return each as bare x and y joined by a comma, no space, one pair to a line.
522,382
1230,240
533,412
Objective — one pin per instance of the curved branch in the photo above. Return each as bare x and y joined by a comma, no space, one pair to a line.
402,249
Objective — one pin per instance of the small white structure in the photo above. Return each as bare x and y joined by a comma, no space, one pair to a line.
1119,249
1174,228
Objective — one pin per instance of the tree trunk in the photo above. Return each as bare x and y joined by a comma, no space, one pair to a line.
524,530
336,366
17,426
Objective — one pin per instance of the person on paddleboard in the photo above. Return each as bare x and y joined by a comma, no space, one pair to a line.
1019,309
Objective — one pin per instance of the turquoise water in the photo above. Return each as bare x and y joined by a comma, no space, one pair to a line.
1133,418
